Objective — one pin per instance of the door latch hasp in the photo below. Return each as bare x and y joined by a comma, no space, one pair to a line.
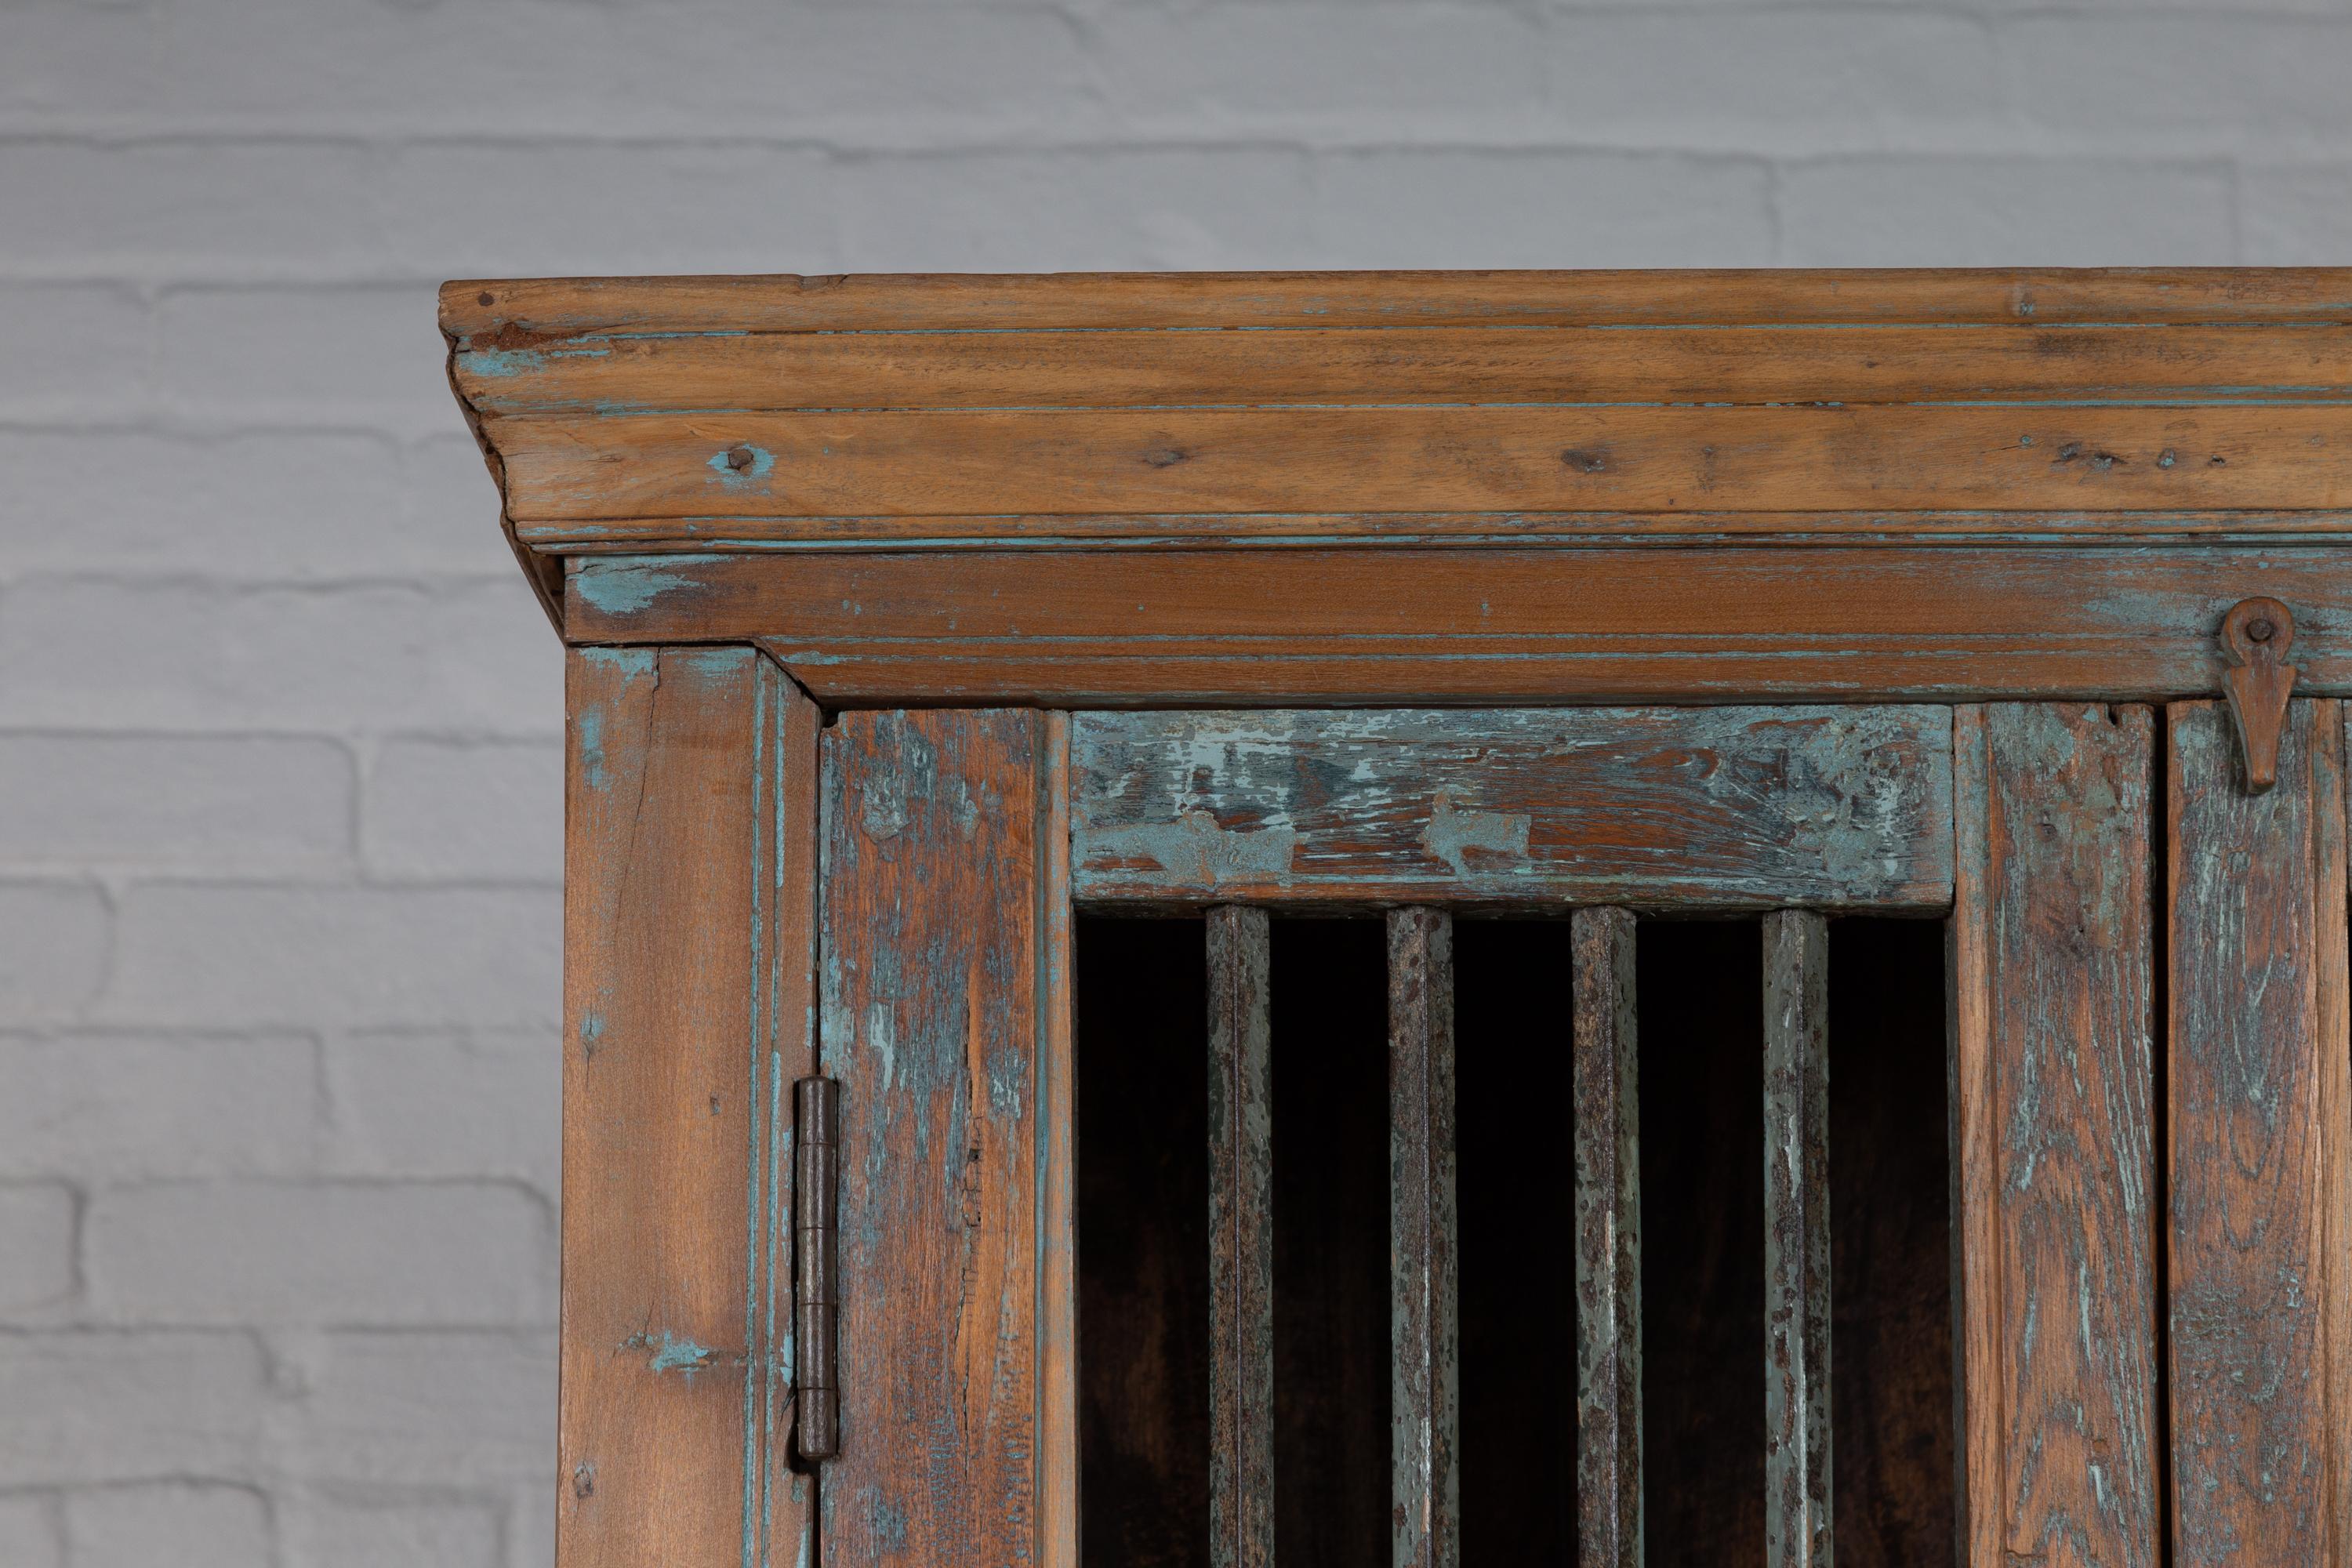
2256,636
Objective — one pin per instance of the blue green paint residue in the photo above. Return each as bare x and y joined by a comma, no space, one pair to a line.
671,1352
723,463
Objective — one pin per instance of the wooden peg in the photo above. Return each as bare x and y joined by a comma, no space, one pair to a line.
2257,636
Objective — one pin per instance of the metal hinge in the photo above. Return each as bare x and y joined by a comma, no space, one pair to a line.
816,1143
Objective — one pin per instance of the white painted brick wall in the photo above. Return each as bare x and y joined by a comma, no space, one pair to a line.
280,787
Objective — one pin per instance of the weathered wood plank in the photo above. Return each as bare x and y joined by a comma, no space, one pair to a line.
1526,528
1724,807
1428,459
2053,1147
935,1016
1608,1242
1798,1521
785,937
687,982
519,310
609,375
1236,627
1059,1542
1241,1242
1424,1313
2259,1144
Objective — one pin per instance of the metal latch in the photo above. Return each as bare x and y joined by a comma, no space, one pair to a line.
817,1143
2257,636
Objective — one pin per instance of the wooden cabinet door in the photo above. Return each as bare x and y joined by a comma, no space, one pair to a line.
2148,1058
945,948
2258,1117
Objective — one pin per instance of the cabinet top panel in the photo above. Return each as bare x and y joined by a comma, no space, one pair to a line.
1458,411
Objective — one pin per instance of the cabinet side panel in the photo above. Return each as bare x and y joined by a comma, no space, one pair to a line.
2054,1157
673,792
2258,1143
933,1025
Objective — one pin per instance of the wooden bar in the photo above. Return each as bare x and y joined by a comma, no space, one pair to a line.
938,1006
550,542
519,311
689,948
2054,1195
2095,457
1727,807
1424,1318
1798,1521
1490,623
2258,1158
609,375
1058,1536
1241,1242
1608,1242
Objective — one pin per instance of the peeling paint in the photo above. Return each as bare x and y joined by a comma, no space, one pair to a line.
629,584
1453,833
1194,849
500,365
588,735
1829,806
671,1352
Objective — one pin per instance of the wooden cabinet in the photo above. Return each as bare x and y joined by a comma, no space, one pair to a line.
1212,912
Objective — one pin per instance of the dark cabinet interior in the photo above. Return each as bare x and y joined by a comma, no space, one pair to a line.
1143,1292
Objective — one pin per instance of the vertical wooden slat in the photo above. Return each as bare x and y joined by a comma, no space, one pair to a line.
1058,1165
1607,1243
784,934
2258,1148
2054,1164
1797,1514
1241,1242
934,1024
689,788
1423,1316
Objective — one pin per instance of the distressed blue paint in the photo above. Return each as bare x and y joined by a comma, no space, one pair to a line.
1840,806
628,584
498,365
1452,833
591,1030
588,735
718,661
671,1352
763,462
631,662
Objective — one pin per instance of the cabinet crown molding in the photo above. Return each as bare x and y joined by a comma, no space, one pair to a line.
1955,417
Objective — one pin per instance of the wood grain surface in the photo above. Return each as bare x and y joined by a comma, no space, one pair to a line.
2094,456
687,949
946,302
1424,1312
1241,1242
1210,627
938,1004
1734,808
2053,1137
1798,1521
1059,1540
2260,1187
629,374
1921,532
1608,1241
